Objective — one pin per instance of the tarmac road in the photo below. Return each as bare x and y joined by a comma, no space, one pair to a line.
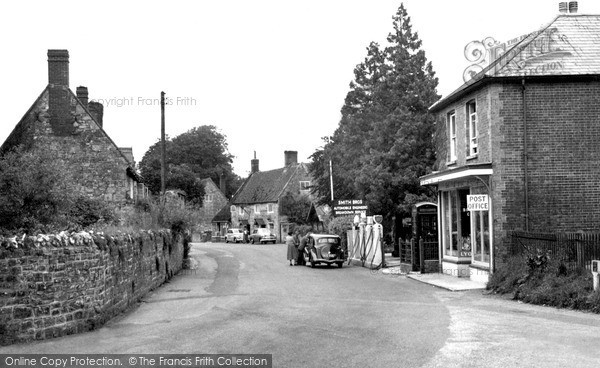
246,299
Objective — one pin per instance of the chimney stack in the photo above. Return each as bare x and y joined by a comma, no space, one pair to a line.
82,95
58,67
568,8
290,157
222,183
97,111
573,7
254,164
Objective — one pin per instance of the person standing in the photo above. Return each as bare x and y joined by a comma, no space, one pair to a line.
301,247
292,250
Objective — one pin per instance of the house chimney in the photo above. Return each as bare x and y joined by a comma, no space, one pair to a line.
254,164
573,7
290,157
222,183
82,95
563,7
97,111
128,153
58,67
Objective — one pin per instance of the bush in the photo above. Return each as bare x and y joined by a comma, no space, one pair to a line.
546,281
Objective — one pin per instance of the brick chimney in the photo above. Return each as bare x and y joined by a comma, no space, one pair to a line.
82,95
97,111
128,153
58,67
291,157
254,164
222,183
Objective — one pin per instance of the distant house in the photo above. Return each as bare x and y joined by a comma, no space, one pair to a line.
517,147
257,202
214,200
70,127
221,222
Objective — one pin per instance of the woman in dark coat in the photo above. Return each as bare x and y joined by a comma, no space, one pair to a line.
292,251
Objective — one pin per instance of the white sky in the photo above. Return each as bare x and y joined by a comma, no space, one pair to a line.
270,74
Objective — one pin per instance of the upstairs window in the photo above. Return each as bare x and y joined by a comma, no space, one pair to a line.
241,211
233,209
471,128
304,185
451,121
256,209
270,208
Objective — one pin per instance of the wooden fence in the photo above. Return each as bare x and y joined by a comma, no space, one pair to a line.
575,250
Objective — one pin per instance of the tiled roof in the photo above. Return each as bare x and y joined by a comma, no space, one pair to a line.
568,46
224,215
265,186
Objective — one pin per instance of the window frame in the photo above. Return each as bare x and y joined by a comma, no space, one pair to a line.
451,123
256,209
307,186
472,128
270,208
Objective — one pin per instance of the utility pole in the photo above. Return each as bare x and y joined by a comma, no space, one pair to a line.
331,179
163,155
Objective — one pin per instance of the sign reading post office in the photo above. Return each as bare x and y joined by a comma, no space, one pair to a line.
478,202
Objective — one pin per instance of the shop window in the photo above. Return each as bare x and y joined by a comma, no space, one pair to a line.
451,121
456,224
472,131
481,236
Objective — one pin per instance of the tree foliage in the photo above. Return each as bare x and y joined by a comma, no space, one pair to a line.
196,154
383,143
36,195
296,206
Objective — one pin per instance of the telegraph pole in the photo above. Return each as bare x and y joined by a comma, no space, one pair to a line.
331,179
163,156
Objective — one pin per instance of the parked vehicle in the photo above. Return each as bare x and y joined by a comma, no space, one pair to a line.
324,248
262,235
234,235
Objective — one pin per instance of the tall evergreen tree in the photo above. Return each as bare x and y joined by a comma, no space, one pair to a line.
383,143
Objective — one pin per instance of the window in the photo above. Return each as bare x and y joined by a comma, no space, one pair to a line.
256,209
233,209
304,185
208,197
241,211
451,121
270,208
456,224
481,236
471,128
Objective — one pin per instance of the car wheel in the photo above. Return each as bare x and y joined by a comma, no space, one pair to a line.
340,264
226,240
252,240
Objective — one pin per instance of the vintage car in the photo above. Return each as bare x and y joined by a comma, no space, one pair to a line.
234,236
262,235
324,249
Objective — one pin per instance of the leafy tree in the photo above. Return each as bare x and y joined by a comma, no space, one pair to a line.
383,143
196,154
296,207
36,195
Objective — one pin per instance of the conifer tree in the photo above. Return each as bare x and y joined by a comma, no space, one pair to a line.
383,143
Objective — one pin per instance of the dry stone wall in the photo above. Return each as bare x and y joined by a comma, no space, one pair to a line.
55,285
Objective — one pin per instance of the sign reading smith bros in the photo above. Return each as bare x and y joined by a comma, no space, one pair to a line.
348,207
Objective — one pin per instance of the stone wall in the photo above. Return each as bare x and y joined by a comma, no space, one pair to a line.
63,284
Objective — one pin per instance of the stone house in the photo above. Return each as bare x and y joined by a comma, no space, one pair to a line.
257,203
522,134
71,127
214,200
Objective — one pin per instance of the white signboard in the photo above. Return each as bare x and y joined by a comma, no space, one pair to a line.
478,202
